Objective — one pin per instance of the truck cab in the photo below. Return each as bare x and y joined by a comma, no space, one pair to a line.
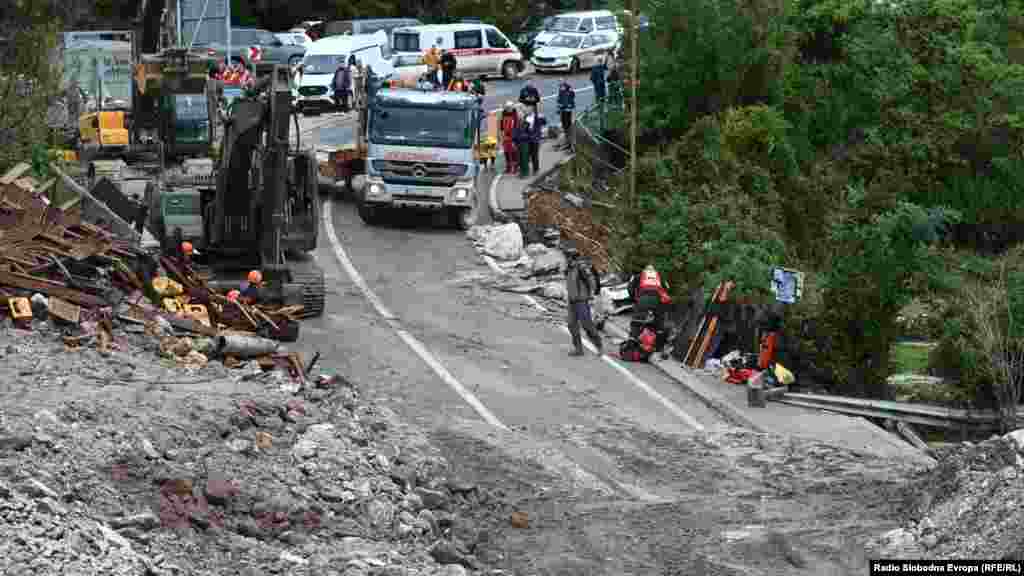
421,154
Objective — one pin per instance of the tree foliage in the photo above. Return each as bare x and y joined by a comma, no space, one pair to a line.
29,82
835,136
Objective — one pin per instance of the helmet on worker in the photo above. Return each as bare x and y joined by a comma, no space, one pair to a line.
186,248
255,277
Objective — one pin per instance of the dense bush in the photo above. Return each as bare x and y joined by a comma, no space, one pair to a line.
844,138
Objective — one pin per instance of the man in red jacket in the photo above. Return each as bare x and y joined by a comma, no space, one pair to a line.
507,125
651,295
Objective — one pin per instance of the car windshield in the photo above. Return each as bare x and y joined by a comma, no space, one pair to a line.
565,41
564,24
322,63
418,126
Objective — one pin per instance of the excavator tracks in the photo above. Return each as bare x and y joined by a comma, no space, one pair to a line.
314,289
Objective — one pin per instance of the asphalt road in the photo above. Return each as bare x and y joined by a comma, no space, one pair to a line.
335,129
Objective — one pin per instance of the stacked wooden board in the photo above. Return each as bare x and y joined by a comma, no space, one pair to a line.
708,335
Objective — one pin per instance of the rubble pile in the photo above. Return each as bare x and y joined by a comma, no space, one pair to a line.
547,206
117,465
539,268
81,279
965,507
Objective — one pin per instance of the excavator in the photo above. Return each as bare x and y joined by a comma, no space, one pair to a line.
265,212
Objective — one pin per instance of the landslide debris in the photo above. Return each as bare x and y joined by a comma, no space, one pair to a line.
967,506
118,463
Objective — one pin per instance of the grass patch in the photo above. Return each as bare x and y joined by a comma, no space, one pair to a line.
909,359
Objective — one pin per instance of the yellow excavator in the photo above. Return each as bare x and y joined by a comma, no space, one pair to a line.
99,64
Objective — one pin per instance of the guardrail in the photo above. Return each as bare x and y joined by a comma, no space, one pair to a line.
935,416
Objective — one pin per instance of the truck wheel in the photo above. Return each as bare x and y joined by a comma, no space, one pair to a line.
370,215
510,69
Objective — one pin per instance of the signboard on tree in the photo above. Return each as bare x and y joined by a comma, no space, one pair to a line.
787,284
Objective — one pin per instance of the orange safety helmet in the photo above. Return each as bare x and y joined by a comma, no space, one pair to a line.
233,295
255,277
186,247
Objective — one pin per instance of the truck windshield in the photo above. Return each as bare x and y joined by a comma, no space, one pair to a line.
422,126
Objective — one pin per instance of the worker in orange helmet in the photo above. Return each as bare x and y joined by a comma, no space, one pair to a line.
252,286
187,251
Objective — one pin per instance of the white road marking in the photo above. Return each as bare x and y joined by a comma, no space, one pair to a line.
406,337
654,394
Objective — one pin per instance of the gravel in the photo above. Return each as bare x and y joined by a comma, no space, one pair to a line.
133,462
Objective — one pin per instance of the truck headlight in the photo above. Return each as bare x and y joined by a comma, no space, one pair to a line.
376,190
461,193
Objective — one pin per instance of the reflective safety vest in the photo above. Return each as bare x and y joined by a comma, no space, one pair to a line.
651,280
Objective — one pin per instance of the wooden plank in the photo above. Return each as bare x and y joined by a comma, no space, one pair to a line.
50,288
698,336
15,173
65,310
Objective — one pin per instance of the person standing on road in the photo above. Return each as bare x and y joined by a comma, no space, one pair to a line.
432,58
581,286
535,134
530,96
521,136
597,77
342,83
448,66
566,106
615,93
507,128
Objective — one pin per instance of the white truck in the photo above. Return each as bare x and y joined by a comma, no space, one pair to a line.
419,150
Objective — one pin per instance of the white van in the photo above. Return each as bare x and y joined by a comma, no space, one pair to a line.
480,49
602,21
325,56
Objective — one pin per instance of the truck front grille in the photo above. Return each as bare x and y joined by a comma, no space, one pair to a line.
412,172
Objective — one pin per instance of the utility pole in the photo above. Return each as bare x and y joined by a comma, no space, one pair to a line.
634,20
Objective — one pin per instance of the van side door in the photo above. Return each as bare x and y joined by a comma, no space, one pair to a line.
498,50
469,50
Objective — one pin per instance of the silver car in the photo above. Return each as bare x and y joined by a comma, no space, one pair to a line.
572,52
272,49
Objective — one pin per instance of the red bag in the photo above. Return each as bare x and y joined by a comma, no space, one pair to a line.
631,351
739,375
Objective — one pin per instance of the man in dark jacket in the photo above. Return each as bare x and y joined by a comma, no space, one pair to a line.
597,78
535,130
566,106
521,137
581,286
530,96
448,66
342,84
